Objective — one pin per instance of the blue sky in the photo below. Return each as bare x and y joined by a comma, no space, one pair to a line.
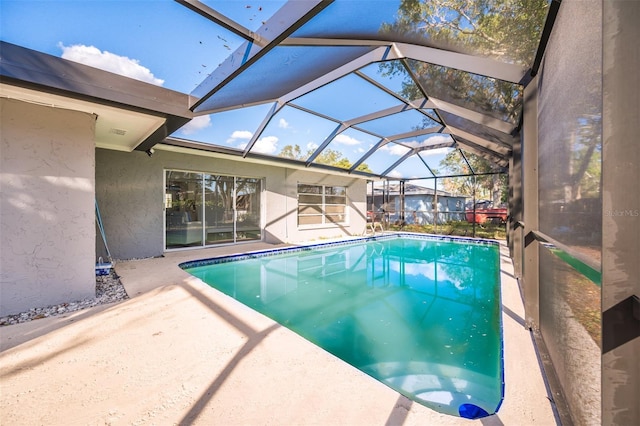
164,43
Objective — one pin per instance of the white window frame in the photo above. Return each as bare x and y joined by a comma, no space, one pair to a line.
322,205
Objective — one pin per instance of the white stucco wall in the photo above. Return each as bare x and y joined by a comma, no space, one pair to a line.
130,193
47,222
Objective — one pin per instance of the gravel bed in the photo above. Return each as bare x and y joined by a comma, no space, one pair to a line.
109,289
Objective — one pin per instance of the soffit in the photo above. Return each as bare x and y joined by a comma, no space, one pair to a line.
116,129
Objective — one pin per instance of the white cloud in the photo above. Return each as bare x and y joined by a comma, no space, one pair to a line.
346,140
94,57
239,134
196,124
283,124
394,174
432,140
312,145
437,151
437,139
395,149
266,145
412,144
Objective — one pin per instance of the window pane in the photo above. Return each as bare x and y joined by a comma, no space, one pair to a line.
335,200
309,220
310,199
335,209
338,218
309,189
335,190
309,210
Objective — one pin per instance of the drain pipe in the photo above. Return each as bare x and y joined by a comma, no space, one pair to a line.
103,268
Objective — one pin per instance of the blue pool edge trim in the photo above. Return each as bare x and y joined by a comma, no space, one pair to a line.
306,247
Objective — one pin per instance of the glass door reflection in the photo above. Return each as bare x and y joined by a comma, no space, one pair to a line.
219,211
183,209
248,209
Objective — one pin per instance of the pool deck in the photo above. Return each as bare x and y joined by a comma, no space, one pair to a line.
180,352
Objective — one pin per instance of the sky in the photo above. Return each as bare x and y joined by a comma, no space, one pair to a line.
163,43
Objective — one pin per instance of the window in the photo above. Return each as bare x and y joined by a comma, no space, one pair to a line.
319,204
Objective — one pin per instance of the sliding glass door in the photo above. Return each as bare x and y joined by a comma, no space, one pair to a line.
183,209
248,209
219,195
203,209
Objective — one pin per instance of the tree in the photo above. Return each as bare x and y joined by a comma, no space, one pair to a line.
328,157
586,158
507,30
490,187
294,152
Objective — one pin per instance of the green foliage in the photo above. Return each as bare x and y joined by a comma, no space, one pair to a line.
458,228
294,152
490,187
328,157
508,30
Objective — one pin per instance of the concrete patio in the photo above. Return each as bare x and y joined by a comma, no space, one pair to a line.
180,352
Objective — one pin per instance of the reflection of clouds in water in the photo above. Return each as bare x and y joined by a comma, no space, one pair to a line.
428,271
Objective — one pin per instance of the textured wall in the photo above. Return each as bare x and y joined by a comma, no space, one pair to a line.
130,198
47,226
130,193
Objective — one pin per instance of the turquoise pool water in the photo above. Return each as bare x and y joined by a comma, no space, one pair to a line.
420,314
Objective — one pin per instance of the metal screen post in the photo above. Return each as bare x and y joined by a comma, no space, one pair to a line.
435,205
620,213
515,208
531,264
402,206
473,220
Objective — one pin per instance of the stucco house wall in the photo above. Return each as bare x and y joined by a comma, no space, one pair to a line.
130,193
51,174
47,225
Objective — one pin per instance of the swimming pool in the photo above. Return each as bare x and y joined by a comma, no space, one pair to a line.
418,313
